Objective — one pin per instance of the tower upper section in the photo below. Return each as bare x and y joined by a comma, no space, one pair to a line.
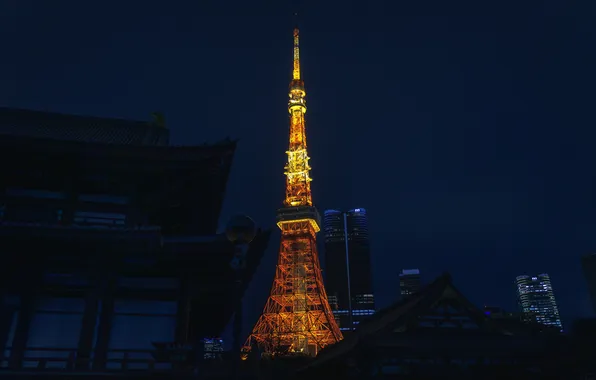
297,93
298,179
296,71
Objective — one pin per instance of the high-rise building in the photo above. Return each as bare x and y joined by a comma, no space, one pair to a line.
347,267
409,282
536,300
297,318
589,268
212,348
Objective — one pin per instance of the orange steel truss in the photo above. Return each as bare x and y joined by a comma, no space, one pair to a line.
297,318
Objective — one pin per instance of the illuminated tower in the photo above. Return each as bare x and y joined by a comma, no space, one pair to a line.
297,318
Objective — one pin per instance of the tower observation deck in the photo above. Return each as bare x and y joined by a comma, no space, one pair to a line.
297,318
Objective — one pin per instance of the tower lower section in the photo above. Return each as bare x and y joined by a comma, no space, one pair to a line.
297,318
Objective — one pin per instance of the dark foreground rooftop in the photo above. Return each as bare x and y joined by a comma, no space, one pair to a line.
51,125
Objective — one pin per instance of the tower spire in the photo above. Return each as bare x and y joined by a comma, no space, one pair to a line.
296,70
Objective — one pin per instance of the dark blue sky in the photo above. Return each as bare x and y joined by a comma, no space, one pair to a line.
465,128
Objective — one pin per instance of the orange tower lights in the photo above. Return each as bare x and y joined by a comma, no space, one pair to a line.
297,318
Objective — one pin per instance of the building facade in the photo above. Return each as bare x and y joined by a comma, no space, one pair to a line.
409,282
499,313
110,250
589,269
536,300
212,348
348,267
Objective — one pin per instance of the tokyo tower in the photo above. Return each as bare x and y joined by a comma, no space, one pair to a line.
297,319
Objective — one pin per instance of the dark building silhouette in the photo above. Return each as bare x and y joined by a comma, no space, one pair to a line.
348,266
57,126
536,300
409,282
589,269
500,313
109,245
439,333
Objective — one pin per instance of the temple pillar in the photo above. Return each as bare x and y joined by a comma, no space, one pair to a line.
85,345
183,312
21,336
7,312
104,328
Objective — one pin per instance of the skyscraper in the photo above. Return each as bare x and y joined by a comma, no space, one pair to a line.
589,268
212,348
347,266
409,282
536,300
297,318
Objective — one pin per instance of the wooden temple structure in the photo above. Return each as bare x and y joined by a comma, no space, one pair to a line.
438,333
110,247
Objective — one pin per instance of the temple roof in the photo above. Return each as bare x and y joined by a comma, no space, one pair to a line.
120,151
57,126
398,324
181,187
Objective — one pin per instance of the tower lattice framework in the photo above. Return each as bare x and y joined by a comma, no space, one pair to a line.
297,318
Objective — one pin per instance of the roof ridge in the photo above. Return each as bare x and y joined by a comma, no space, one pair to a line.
379,319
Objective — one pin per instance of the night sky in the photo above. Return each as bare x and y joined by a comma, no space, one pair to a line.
466,128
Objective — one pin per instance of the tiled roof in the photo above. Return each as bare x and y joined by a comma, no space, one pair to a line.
388,319
381,319
220,150
49,125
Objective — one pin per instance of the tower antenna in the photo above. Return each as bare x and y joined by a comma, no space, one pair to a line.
296,59
296,67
